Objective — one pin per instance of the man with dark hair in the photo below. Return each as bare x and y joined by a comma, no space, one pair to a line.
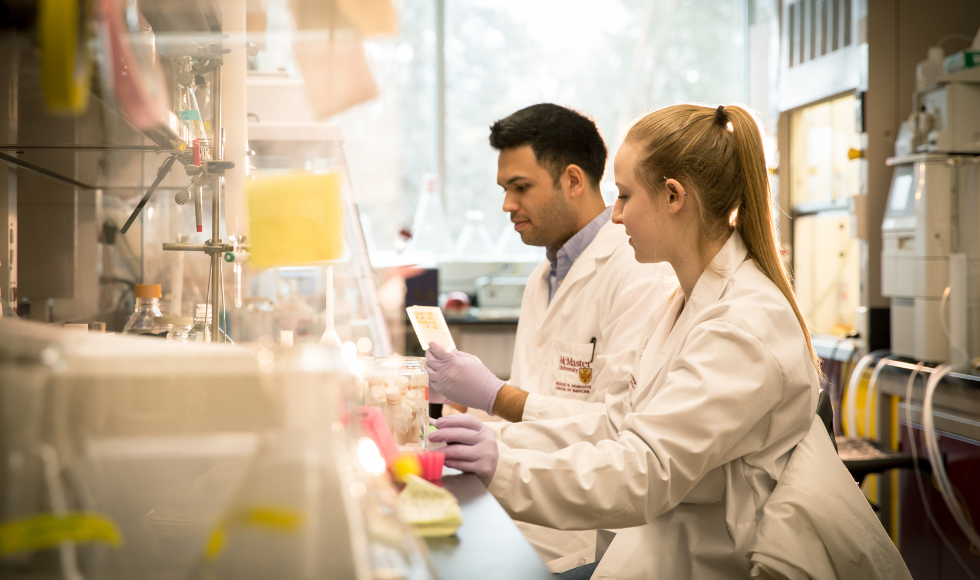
584,307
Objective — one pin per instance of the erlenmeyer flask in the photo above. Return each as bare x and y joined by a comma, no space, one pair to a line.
509,246
474,241
430,231
294,515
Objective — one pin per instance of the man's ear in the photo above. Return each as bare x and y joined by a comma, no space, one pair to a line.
574,180
676,196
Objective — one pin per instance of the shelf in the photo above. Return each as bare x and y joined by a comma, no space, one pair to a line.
178,22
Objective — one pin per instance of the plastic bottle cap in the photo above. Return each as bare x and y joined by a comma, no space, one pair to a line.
148,291
393,395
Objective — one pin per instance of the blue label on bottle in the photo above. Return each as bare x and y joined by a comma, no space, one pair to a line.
190,115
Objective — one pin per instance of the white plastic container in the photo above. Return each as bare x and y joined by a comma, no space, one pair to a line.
927,72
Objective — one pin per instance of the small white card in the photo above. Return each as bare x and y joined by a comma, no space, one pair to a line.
430,326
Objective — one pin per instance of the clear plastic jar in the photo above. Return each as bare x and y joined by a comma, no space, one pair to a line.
147,308
175,328
400,386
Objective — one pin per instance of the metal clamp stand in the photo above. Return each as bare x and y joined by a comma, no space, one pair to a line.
215,248
212,171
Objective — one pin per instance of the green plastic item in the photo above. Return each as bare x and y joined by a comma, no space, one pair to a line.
961,61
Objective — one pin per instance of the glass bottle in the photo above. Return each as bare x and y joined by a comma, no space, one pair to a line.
203,95
187,106
190,114
147,308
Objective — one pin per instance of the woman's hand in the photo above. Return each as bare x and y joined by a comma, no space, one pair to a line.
476,447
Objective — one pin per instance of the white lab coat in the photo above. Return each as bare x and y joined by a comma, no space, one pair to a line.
606,295
716,407
817,525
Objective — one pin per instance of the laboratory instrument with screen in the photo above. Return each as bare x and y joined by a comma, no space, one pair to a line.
930,244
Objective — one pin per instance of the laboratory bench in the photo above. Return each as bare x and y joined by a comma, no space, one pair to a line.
488,545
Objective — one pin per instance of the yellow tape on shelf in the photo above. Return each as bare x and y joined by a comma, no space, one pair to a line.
44,531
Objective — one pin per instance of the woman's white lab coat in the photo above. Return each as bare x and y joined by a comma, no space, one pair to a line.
716,405
606,296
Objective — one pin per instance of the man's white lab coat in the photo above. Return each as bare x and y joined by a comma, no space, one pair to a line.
606,296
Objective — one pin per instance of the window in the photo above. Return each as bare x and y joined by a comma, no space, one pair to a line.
612,60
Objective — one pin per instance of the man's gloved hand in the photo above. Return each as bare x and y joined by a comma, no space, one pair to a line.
476,450
462,378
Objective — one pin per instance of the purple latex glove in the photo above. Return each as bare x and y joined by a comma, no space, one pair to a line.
476,450
461,377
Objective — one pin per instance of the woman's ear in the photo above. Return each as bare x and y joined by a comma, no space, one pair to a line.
676,196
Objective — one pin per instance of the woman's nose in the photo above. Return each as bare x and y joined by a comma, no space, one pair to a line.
617,213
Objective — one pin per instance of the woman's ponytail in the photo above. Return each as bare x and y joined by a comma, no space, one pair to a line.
754,221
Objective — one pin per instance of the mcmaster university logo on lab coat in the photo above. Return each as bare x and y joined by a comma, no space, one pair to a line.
570,364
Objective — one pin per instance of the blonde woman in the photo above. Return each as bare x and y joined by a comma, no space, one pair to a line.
723,390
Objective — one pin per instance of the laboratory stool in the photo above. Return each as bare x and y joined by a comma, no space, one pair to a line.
861,456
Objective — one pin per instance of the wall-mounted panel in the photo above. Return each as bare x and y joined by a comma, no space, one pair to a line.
821,56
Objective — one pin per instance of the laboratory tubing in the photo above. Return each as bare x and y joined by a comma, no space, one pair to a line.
147,308
400,387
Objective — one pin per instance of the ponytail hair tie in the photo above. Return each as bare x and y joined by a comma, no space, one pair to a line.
720,116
